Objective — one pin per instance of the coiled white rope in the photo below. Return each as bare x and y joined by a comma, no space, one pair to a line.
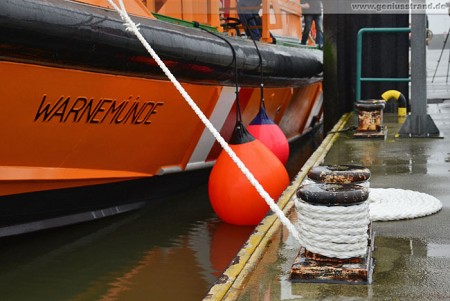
342,232
131,26
335,231
388,204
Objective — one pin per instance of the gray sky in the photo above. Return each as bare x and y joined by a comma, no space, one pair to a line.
439,19
439,23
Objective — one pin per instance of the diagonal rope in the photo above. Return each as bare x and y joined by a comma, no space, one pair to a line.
133,27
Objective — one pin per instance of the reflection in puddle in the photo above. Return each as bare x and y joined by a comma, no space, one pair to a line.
438,250
403,267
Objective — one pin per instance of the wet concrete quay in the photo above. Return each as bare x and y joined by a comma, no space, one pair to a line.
412,256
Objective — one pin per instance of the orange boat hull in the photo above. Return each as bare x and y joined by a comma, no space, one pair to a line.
66,128
70,128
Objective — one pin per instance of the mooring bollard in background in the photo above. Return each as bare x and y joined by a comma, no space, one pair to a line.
370,119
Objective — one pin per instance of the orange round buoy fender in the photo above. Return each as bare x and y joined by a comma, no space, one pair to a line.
232,196
268,132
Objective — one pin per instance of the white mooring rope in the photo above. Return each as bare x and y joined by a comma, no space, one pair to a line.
131,26
342,232
388,204
334,231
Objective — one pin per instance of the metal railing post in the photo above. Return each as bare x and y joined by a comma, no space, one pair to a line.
360,79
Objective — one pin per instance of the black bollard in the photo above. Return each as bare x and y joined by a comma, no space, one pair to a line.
335,187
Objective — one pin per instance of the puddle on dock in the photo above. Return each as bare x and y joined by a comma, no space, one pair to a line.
174,250
403,267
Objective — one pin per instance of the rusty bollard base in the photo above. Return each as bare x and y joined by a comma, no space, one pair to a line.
315,268
310,267
382,134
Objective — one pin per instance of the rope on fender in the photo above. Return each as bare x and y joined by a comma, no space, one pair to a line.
133,27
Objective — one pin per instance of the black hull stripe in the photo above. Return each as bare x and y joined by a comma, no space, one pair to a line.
72,35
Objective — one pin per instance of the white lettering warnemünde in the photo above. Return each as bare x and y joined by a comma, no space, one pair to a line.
90,110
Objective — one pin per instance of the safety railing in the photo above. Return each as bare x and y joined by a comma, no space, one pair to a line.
360,79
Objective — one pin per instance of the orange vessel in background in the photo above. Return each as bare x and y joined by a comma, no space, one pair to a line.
89,120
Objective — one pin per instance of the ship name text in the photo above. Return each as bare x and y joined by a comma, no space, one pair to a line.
103,110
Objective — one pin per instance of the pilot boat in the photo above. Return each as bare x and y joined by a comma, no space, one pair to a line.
92,127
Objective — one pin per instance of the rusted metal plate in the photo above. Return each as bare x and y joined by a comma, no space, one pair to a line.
372,134
311,267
